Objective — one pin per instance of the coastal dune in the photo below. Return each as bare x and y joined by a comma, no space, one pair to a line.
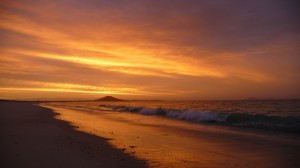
32,137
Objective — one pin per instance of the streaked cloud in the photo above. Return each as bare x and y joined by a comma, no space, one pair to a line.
196,49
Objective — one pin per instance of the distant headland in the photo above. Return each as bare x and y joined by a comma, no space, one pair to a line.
109,98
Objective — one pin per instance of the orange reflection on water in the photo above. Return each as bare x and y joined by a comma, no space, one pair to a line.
169,143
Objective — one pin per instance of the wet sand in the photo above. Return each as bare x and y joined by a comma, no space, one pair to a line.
31,137
165,142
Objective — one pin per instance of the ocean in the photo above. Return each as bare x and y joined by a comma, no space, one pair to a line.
274,115
187,134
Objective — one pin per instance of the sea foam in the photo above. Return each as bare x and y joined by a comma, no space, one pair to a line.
288,124
189,115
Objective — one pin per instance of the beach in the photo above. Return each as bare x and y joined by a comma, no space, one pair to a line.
34,135
149,83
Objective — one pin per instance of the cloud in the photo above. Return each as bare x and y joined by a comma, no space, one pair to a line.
177,46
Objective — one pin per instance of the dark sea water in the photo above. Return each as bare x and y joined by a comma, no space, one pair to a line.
276,115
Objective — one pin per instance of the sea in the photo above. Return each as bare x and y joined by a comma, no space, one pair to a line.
271,115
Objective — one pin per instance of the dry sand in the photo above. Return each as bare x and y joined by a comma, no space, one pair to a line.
32,137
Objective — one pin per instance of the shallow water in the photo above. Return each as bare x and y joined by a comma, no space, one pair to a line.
166,142
266,107
275,115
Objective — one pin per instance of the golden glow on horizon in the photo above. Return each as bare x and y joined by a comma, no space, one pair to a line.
66,90
75,88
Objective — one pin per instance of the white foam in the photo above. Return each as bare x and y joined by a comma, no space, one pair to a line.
188,115
173,114
197,116
147,111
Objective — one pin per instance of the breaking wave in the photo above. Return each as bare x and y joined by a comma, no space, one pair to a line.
276,123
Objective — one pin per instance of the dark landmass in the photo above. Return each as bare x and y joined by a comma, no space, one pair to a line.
109,98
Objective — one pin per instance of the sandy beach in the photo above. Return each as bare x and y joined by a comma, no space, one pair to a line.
164,142
31,137
149,83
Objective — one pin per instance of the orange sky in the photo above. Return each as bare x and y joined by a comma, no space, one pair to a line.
178,50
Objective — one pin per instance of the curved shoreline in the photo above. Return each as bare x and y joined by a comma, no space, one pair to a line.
32,137
165,142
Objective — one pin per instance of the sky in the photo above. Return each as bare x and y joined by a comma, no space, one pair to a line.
149,49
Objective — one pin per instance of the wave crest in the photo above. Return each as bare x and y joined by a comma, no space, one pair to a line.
287,124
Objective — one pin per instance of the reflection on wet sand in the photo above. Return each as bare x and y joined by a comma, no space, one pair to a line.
169,143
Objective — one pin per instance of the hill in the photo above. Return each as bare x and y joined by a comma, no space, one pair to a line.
109,98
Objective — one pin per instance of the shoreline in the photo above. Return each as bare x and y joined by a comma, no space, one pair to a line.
31,136
171,143
37,135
